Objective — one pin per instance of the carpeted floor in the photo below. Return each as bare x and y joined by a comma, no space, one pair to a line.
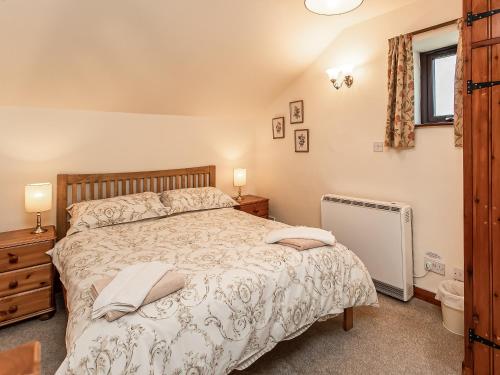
397,338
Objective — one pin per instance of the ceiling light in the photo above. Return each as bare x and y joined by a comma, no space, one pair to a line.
332,7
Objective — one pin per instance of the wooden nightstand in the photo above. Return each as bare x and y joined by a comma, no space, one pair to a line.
26,275
254,205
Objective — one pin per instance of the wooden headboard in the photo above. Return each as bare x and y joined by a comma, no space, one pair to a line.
74,188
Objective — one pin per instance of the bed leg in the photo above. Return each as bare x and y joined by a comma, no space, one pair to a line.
348,319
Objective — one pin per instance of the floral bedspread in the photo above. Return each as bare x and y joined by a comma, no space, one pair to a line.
242,296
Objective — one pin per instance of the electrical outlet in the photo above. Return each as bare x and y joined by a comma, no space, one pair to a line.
435,266
378,146
458,274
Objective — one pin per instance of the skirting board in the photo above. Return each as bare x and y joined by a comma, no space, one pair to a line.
426,296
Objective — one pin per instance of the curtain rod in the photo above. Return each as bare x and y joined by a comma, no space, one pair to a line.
444,24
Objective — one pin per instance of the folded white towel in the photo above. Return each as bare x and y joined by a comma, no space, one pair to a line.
301,232
128,288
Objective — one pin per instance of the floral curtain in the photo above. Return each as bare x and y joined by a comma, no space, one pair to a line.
400,126
459,89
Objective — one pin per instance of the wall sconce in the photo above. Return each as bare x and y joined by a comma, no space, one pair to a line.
340,76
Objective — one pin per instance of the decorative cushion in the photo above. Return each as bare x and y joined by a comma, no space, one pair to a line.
118,210
195,199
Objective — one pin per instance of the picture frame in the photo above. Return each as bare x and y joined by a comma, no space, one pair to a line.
297,112
302,140
278,127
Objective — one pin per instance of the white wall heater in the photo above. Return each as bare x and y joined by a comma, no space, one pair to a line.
380,234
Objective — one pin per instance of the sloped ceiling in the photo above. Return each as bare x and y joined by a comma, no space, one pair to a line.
185,57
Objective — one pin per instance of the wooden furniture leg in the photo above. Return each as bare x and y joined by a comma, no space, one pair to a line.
47,316
348,319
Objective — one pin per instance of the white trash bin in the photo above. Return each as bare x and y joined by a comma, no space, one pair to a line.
451,295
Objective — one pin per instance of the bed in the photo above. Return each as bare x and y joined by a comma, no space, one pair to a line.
241,298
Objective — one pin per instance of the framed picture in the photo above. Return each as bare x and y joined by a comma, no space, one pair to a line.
278,127
297,112
302,140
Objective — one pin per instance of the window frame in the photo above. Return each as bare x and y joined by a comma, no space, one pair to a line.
427,86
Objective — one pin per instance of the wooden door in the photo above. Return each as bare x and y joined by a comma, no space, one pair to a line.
495,189
482,188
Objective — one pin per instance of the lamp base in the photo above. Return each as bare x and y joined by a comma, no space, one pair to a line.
39,229
239,198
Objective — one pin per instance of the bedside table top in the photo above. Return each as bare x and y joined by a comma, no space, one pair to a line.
250,199
24,237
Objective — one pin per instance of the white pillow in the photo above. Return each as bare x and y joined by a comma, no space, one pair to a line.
117,210
195,199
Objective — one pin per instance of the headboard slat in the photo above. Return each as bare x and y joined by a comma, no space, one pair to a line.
74,192
74,188
100,194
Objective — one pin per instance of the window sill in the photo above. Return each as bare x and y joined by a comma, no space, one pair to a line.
431,124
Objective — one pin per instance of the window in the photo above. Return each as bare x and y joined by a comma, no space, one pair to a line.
437,85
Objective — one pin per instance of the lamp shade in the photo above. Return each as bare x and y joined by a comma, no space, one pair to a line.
347,70
333,73
332,7
240,177
38,197
339,73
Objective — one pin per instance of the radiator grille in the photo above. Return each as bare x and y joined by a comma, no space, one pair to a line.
407,216
389,289
360,203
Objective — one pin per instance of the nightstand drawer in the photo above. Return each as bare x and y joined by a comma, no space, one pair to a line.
24,304
257,209
26,279
13,258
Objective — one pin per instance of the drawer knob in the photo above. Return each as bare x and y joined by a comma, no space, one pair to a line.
13,284
12,309
255,211
13,258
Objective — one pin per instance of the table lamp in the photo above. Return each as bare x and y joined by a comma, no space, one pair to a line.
38,198
239,180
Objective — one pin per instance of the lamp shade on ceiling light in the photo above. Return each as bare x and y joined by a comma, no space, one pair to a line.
332,7
38,197
240,177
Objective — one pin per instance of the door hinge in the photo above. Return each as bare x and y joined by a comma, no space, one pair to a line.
471,86
473,337
471,17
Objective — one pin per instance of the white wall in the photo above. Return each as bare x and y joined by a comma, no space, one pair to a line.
343,126
37,144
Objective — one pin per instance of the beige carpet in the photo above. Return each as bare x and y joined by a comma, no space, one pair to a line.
397,338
